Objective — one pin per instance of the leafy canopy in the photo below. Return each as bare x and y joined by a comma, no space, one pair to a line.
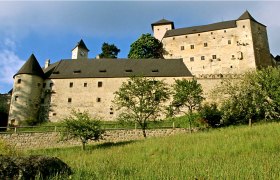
109,51
187,97
253,97
141,99
146,47
80,125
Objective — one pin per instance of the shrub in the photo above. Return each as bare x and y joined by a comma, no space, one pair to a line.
32,167
211,115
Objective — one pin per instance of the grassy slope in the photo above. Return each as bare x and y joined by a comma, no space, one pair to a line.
235,152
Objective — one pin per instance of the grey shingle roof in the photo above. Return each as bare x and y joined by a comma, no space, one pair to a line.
247,15
81,44
110,68
32,67
163,22
199,29
209,27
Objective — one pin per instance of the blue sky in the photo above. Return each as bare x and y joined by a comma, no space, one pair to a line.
51,29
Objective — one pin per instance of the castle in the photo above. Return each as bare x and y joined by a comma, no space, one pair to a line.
209,52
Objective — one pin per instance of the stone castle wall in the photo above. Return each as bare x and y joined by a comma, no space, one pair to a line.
23,141
233,48
94,95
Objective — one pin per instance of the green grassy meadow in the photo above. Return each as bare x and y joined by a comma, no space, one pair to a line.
227,153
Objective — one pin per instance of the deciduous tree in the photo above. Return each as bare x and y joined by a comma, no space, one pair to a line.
80,125
253,97
187,97
109,51
146,47
140,100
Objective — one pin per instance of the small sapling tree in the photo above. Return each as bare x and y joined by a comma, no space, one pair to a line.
140,100
80,125
187,97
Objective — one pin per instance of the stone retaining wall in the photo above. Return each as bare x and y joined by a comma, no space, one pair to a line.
36,140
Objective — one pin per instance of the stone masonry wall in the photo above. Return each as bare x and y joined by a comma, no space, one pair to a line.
24,141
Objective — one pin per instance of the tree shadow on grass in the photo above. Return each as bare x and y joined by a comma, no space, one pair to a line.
107,145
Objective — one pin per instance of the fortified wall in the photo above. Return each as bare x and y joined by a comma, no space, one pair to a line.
24,141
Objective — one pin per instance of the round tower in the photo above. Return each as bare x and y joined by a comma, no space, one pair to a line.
27,90
160,27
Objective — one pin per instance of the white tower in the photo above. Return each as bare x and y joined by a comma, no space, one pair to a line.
80,51
160,27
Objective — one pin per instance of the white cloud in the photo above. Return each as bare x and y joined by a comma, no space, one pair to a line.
10,63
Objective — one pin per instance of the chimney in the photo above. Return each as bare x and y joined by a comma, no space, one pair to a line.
47,63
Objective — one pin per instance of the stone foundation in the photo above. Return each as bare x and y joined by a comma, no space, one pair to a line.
36,140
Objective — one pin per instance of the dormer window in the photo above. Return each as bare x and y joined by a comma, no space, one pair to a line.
77,71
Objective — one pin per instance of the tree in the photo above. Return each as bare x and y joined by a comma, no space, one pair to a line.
146,47
109,51
80,125
253,97
140,100
186,94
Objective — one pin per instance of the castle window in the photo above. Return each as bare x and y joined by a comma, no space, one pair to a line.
203,67
71,84
111,112
51,85
173,38
232,56
85,84
69,100
202,57
230,66
225,31
16,98
192,46
77,71
205,44
39,84
243,26
186,36
158,29
44,85
54,114
128,70
182,48
211,32
98,99
155,70
198,34
19,81
229,41
42,100
214,57
191,58
99,84
102,70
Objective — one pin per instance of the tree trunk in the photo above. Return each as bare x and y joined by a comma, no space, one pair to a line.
190,126
144,133
250,122
83,146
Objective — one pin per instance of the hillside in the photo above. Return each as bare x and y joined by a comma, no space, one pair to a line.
229,153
